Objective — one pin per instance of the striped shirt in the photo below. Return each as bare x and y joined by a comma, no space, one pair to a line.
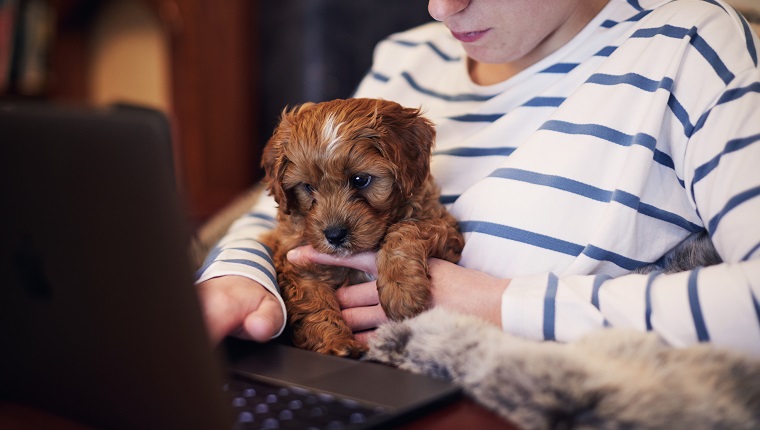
600,158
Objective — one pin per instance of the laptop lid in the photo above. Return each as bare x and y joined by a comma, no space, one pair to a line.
99,320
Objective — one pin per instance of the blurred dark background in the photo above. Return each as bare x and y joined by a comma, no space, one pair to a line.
317,50
221,70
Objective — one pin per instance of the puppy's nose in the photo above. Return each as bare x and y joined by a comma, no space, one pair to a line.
336,235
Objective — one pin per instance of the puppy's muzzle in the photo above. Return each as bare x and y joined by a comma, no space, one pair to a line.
336,235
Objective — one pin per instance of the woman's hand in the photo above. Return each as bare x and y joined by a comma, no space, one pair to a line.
454,287
241,307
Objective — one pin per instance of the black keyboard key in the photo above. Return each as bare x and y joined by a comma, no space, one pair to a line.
245,417
262,405
357,418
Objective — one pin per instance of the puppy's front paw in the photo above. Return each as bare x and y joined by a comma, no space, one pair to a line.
402,300
350,348
403,284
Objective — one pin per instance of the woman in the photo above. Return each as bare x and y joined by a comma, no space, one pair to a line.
577,141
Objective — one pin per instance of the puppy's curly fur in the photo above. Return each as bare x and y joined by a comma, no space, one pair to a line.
351,176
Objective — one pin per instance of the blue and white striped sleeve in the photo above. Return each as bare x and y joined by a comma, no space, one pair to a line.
239,253
721,165
718,304
723,180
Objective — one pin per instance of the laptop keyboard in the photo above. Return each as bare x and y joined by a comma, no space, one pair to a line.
260,405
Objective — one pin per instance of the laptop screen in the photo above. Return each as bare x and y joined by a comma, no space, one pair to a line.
100,321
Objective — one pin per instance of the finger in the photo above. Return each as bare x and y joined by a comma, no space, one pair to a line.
364,318
358,295
364,261
365,336
263,323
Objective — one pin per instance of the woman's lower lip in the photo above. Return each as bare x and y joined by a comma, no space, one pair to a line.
470,36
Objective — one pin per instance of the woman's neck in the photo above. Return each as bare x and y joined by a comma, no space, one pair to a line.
493,73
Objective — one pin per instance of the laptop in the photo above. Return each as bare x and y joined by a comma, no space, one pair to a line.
99,318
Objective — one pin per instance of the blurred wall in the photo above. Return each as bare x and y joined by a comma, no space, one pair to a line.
129,57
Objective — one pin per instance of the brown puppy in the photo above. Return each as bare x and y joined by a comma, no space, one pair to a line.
352,176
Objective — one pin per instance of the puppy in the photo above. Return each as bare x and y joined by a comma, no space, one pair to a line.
351,176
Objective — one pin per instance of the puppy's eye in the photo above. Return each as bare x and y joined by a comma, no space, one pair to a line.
361,181
308,188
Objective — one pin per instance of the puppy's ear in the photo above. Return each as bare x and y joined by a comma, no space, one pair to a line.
274,159
275,162
407,139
